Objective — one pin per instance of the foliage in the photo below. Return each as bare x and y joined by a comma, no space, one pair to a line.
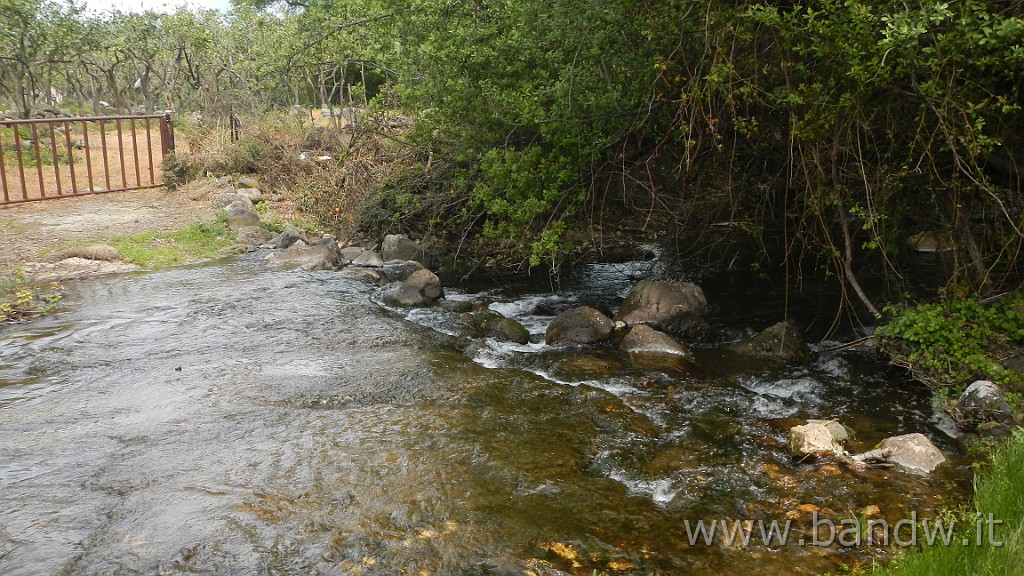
179,169
954,342
20,298
840,126
997,493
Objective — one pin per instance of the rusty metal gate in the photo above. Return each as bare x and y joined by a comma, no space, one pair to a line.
61,157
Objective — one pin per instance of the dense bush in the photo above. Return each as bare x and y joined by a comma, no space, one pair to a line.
951,343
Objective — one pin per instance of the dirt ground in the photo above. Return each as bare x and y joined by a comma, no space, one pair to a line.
27,230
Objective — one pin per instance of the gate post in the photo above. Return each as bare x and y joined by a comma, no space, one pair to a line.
166,134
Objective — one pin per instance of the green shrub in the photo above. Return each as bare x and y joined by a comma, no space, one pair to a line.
20,298
954,342
180,169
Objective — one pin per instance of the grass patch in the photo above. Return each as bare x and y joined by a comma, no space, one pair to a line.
997,492
20,298
152,250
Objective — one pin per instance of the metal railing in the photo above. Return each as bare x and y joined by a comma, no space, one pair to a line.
60,157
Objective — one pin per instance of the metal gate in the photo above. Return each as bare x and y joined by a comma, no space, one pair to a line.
61,157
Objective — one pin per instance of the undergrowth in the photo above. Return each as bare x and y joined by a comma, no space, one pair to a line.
951,343
328,171
20,298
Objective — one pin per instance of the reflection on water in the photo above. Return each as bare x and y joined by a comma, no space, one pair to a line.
231,419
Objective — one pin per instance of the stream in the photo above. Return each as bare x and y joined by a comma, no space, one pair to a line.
233,418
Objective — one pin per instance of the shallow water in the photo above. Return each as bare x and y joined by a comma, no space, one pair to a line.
236,419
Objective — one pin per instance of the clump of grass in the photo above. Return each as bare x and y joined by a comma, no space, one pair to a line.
997,493
152,250
20,298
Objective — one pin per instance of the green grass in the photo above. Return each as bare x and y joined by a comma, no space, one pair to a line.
999,492
153,250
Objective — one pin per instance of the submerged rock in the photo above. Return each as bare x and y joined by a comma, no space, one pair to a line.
490,324
783,341
646,346
913,453
587,365
930,242
580,325
676,307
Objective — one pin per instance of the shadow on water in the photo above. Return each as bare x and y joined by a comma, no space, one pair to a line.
234,419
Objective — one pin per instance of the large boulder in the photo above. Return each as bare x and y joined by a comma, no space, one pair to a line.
400,247
982,401
369,259
913,453
812,439
254,195
350,253
835,428
676,307
491,324
227,198
422,288
783,341
248,182
646,346
398,270
320,256
580,325
290,235
242,214
253,235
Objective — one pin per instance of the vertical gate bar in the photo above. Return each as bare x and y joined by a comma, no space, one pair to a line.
56,163
3,171
39,159
120,153
149,151
88,154
106,160
135,154
166,135
71,156
21,161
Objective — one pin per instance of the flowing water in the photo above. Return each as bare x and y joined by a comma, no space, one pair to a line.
231,418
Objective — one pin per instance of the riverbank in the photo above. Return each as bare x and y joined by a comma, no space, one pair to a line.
990,540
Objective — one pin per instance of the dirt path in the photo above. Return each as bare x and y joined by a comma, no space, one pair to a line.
26,230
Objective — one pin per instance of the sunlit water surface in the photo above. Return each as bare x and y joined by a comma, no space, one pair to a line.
236,419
